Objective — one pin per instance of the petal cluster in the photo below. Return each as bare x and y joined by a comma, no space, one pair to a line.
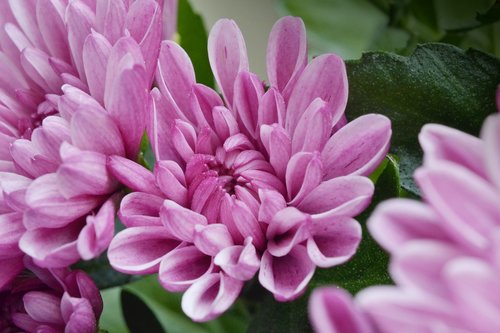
265,179
41,300
445,252
75,76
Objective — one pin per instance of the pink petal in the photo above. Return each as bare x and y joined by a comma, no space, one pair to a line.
37,66
79,20
182,267
334,240
286,277
271,203
247,224
248,91
180,221
78,314
74,99
211,296
239,262
110,19
441,143
279,147
395,223
303,174
271,108
287,228
28,158
170,18
227,54
49,208
333,311
286,53
324,77
175,75
133,175
49,14
11,229
348,195
224,122
43,307
313,129
490,135
139,209
95,237
171,181
213,238
357,148
51,247
96,50
25,13
83,173
10,269
139,250
467,203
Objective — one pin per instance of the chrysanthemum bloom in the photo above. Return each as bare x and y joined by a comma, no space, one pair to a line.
75,76
41,300
445,251
263,181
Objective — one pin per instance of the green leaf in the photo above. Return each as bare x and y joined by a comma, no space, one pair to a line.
193,38
102,273
368,267
112,320
167,309
438,83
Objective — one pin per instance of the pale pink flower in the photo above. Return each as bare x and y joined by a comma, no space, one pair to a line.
264,181
445,253
41,300
73,90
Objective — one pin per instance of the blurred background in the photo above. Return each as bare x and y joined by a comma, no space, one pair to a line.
350,27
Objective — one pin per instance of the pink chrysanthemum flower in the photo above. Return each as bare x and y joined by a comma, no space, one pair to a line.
445,251
264,181
75,76
41,300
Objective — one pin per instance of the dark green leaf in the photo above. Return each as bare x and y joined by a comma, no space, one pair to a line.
438,83
492,15
112,320
193,38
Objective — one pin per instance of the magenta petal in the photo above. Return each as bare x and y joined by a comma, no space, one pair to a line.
240,262
110,18
287,228
357,148
182,267
490,135
212,238
11,229
303,174
79,316
139,209
171,181
139,250
447,187
247,223
333,311
180,221
96,50
98,232
420,265
286,53
313,128
83,172
175,76
324,77
286,277
228,55
279,147
271,203
51,247
224,122
397,222
10,269
93,129
48,207
248,91
43,307
133,175
210,296
348,195
271,108
334,240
